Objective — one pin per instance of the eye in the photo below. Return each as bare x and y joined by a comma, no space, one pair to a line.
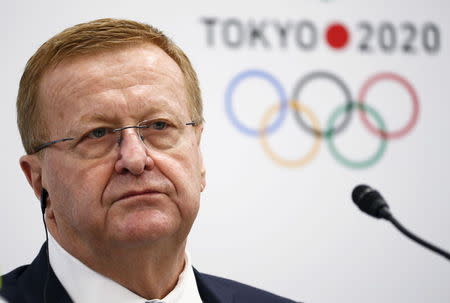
158,125
97,133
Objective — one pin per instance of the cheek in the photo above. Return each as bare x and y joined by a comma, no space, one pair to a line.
186,171
183,171
76,189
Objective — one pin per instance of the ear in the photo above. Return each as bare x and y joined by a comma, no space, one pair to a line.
199,132
202,173
31,167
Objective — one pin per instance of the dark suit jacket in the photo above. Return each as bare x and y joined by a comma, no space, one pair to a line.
26,284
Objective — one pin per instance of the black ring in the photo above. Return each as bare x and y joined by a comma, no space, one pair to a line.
295,98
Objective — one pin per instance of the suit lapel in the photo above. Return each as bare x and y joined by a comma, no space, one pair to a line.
34,279
211,291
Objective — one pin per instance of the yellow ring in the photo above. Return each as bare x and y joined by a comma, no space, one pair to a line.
265,144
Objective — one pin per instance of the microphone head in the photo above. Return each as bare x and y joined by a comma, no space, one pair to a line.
359,191
370,201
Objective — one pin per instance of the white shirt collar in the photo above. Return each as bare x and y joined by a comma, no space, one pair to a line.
87,286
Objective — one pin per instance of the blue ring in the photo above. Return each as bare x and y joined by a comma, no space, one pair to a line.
229,98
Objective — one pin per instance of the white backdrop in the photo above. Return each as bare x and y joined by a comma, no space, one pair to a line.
291,230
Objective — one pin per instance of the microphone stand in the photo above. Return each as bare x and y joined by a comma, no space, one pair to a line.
388,216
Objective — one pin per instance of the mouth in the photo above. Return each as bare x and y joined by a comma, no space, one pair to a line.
138,194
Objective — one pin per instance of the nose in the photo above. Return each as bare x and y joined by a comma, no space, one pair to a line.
133,156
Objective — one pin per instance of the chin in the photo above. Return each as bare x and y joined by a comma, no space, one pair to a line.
144,226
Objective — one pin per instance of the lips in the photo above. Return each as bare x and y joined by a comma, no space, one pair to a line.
127,187
134,193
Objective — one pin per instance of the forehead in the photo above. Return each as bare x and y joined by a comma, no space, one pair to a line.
118,83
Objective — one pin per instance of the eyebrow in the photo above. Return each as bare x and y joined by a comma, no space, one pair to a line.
115,119
93,118
97,117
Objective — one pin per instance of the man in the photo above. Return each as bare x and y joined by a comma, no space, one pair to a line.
110,115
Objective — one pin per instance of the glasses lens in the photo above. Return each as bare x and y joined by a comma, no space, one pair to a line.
159,134
96,143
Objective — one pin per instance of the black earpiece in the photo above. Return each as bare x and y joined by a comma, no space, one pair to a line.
44,196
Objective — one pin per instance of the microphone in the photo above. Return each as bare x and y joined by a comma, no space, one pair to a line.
372,203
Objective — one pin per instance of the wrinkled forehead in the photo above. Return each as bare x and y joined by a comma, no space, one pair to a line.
124,81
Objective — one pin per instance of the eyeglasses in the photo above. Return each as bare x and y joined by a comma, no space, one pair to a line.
97,142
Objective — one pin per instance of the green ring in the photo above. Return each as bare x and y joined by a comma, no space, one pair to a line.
381,125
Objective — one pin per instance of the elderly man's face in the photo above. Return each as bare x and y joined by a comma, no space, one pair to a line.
132,195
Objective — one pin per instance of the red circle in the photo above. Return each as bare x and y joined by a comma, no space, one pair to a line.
337,35
415,102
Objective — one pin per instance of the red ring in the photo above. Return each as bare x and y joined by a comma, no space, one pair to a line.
415,100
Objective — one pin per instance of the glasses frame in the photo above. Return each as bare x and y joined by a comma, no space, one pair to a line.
50,143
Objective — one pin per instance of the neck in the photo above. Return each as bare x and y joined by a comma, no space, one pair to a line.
151,271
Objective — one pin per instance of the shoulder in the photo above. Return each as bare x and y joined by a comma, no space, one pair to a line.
10,283
29,283
217,287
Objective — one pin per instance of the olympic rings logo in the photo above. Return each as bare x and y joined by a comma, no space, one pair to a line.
302,112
